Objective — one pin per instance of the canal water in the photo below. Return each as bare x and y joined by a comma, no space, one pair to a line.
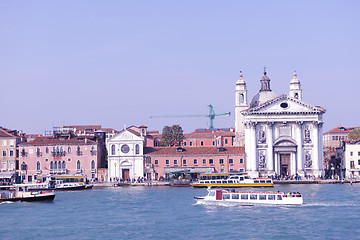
330,211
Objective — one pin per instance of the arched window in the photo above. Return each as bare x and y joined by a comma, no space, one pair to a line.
69,149
55,165
92,164
51,165
78,165
137,150
63,165
57,149
296,95
38,165
113,149
241,98
61,149
47,150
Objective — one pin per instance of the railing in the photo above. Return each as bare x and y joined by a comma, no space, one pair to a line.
38,171
58,154
78,153
78,171
53,171
93,170
23,154
38,154
93,152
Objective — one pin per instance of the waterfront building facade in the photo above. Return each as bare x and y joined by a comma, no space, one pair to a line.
332,138
9,157
125,154
222,137
195,160
59,155
349,152
282,134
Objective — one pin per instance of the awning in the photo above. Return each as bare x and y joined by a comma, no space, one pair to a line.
6,175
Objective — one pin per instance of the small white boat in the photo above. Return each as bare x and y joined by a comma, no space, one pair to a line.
23,192
249,198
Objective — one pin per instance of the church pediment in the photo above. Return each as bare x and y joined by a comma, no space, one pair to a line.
126,135
284,104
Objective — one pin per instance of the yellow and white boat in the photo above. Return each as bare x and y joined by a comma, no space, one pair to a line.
231,180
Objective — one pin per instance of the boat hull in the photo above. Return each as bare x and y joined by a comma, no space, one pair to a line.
229,185
33,198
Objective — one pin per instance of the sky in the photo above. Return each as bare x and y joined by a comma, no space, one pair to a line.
116,63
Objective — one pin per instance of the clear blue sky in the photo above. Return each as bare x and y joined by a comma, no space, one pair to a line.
119,62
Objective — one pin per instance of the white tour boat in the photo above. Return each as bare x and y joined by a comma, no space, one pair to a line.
62,183
249,198
231,180
23,192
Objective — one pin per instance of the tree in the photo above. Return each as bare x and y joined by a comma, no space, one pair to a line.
172,135
355,134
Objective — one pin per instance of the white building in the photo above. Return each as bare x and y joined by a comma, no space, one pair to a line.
350,158
125,154
282,134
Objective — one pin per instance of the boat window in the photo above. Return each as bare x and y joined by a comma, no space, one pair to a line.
201,181
235,196
279,197
262,181
262,197
226,196
212,181
224,181
256,181
230,181
271,197
219,181
268,181
241,178
244,196
253,196
206,181
247,177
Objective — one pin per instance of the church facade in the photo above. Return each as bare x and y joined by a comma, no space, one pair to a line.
281,133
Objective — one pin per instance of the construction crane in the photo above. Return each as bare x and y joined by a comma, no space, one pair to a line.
211,116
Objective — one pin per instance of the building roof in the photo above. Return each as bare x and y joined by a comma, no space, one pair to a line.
7,133
210,134
50,140
193,151
340,130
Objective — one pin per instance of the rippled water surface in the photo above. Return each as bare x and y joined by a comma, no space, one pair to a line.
330,211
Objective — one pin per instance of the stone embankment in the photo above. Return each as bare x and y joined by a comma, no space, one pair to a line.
128,184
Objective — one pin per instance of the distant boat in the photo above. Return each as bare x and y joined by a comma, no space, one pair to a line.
180,178
231,180
23,192
62,183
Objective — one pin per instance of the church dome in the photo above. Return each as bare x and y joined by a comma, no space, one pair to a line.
265,94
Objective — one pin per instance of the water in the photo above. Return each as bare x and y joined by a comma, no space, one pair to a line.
330,211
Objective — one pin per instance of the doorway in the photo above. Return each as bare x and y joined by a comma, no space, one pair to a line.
125,174
284,165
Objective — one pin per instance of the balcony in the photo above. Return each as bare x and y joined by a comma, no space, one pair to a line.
58,154
78,170
38,171
93,170
93,152
23,153
38,154
78,153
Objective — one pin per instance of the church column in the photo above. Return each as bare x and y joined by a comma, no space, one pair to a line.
321,160
248,146
315,139
276,167
299,142
270,154
254,148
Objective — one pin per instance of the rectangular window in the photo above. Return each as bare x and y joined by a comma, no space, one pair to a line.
358,153
184,161
253,196
156,162
184,143
167,161
226,141
235,196
202,143
195,161
204,161
175,162
4,152
262,197
359,162
4,165
11,152
279,197
241,160
11,143
221,161
271,197
244,196
211,161
11,166
231,160
213,143
351,153
352,164
4,142
190,144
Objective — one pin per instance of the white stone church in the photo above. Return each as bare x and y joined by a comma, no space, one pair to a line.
282,134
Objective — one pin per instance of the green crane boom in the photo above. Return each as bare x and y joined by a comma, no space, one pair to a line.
211,115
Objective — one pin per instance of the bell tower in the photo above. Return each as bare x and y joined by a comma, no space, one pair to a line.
295,87
240,105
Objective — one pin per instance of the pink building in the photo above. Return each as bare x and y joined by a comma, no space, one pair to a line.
58,155
197,160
